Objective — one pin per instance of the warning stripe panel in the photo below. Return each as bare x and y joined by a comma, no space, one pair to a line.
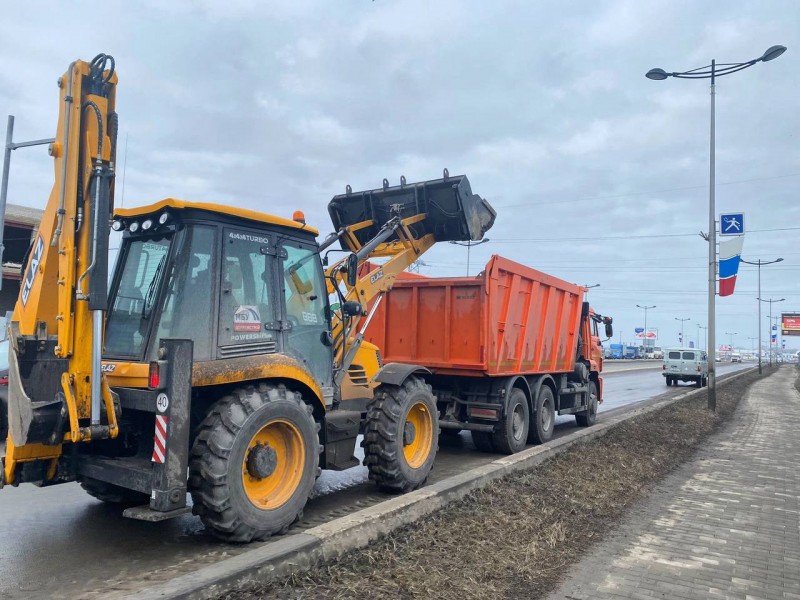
160,440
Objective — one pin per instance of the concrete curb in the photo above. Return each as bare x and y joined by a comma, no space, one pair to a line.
300,551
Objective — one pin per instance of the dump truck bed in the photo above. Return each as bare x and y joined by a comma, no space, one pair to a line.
511,319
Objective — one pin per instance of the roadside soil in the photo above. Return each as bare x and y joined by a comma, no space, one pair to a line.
516,537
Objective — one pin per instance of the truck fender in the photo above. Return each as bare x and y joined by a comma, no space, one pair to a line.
509,383
536,384
397,373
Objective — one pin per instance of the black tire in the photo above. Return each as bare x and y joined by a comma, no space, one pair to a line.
511,434
113,494
699,382
668,380
544,418
225,442
483,440
589,416
388,431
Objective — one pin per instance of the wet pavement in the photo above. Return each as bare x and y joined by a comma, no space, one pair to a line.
58,542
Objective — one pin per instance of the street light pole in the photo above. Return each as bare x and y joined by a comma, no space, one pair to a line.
704,328
771,301
760,262
682,322
644,340
469,244
730,338
712,71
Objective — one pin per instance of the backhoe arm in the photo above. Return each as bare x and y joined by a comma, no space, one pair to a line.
56,389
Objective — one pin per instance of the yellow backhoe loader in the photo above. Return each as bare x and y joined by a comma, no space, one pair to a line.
214,351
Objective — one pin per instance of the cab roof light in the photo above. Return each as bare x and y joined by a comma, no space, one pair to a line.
133,227
117,225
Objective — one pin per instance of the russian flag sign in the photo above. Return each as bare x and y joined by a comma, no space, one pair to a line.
730,251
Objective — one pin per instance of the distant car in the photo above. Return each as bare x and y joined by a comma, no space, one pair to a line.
736,357
685,364
3,390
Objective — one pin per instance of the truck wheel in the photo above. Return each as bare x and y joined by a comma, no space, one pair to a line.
113,494
483,440
254,463
589,416
511,434
544,419
668,381
401,435
699,382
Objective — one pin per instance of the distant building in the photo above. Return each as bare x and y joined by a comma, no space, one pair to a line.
21,224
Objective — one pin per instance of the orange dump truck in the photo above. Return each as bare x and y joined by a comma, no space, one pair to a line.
506,350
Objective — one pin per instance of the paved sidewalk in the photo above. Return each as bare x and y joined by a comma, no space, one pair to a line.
726,525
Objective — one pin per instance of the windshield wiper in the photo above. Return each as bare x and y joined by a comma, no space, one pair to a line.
149,299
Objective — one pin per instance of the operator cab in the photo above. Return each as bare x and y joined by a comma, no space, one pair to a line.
238,283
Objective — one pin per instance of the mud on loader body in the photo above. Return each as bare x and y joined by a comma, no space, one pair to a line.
221,355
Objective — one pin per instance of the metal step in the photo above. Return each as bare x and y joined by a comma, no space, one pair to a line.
145,513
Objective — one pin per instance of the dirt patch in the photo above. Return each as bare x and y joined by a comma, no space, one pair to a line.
516,537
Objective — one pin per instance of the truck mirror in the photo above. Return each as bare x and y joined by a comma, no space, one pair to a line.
352,270
609,330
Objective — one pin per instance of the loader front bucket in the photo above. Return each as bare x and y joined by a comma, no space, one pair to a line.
452,212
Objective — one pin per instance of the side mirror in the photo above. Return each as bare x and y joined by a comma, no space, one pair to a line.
609,330
352,270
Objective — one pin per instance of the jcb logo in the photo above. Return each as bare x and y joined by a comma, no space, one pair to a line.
376,275
33,268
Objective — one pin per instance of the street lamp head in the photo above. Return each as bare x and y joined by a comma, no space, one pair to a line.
778,260
772,53
661,74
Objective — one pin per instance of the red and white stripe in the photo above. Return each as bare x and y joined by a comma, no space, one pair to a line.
160,441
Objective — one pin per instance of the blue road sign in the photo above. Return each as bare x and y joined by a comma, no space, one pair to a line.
731,224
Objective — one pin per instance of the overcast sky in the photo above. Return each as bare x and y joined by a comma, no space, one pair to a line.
598,175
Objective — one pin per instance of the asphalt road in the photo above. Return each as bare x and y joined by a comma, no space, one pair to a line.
60,543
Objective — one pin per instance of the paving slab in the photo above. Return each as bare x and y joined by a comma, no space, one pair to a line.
725,525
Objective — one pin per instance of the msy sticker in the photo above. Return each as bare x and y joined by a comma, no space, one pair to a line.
246,319
309,317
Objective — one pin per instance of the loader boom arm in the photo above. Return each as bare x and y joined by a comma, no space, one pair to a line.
401,224
57,392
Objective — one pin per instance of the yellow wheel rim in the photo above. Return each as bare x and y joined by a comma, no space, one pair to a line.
273,465
417,435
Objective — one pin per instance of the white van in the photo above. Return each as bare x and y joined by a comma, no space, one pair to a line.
685,364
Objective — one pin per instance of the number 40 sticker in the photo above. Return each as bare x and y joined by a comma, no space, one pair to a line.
162,403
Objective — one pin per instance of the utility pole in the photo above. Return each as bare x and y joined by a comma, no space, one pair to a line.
682,322
644,340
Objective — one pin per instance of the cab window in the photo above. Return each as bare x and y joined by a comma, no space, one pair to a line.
674,355
189,293
246,296
688,356
305,295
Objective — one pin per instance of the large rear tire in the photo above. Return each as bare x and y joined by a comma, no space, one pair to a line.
113,494
589,416
401,435
544,417
511,434
254,463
